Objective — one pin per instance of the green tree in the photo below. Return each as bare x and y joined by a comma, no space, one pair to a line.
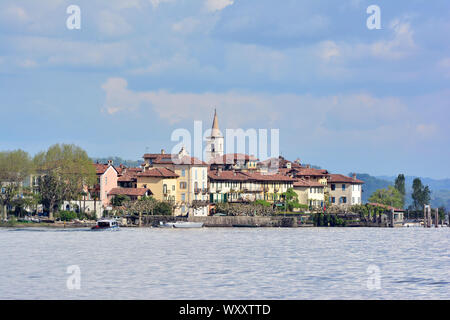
421,194
390,196
65,172
15,166
400,186
119,199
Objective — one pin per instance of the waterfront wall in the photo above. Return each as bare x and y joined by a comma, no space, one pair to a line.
228,221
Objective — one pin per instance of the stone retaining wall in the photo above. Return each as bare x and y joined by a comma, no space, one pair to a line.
228,221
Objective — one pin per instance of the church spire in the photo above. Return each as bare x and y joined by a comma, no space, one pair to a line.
215,126
215,121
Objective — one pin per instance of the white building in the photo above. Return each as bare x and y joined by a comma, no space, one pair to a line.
345,191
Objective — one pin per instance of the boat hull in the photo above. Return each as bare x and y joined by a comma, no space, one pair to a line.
182,225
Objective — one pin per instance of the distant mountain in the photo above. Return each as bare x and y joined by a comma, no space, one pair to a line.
371,184
118,161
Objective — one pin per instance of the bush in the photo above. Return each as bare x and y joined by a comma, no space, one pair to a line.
67,215
163,209
263,203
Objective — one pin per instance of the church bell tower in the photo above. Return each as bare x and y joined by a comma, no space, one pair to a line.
215,142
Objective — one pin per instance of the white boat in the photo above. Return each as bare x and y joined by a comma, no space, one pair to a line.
106,224
181,224
412,224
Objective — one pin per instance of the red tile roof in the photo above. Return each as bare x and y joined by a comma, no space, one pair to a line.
228,175
101,168
172,159
129,174
386,207
298,172
340,178
158,173
130,192
269,177
280,161
307,183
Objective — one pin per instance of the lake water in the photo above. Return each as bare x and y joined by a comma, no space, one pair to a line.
210,263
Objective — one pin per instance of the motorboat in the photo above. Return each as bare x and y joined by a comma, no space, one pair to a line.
412,224
106,224
180,224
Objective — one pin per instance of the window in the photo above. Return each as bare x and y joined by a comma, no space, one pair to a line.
333,187
183,185
343,187
343,200
333,200
183,197
183,173
195,171
173,188
165,188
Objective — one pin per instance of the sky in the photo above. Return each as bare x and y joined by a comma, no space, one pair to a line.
344,97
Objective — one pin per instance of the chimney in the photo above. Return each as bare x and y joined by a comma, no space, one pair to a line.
308,166
163,151
354,177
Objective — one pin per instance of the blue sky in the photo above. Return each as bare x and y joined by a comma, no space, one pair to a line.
344,97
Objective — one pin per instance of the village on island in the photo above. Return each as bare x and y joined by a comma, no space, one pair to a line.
227,189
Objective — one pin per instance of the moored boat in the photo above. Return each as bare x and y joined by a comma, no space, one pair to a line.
181,224
106,224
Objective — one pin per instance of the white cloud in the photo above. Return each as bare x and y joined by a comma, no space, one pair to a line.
113,24
59,52
27,63
15,14
217,5
402,44
118,97
350,116
186,26
329,50
156,3
427,130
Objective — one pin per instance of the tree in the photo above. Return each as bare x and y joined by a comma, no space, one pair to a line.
65,172
119,199
15,166
390,197
291,199
400,186
421,194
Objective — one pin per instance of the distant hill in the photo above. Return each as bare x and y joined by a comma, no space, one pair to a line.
118,161
371,184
